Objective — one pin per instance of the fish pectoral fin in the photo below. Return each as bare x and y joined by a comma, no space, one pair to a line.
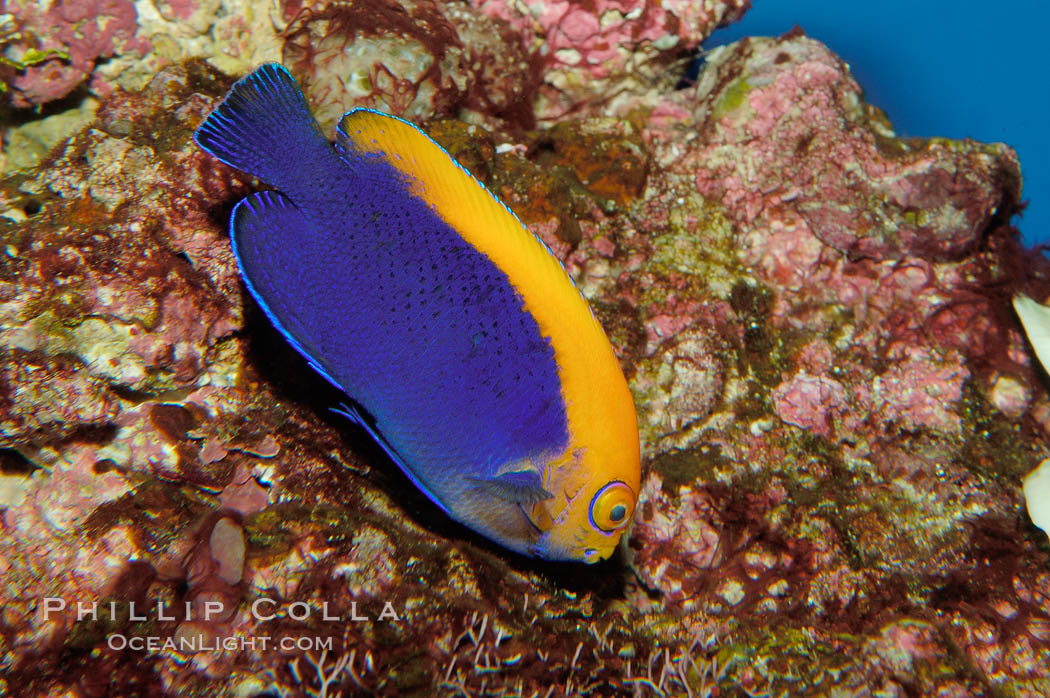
518,486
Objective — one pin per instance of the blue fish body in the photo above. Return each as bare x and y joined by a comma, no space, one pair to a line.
360,269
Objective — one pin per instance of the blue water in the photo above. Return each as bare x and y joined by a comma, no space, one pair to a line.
964,69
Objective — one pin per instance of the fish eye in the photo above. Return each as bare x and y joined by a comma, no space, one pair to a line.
612,506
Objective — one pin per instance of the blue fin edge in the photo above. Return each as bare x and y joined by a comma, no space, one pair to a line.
262,117
348,411
246,202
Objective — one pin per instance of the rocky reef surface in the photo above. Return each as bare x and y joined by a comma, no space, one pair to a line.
836,403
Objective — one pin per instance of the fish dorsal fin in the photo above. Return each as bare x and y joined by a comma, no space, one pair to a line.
458,198
518,486
263,124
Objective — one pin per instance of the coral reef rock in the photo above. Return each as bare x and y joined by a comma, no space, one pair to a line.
836,403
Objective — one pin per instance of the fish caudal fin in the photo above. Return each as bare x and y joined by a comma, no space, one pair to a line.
263,126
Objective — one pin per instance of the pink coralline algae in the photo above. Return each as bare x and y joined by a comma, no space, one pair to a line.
873,356
836,405
49,509
810,402
417,60
914,392
50,396
684,536
86,30
584,47
933,200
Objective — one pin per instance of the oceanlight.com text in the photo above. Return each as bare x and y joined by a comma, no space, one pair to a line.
200,643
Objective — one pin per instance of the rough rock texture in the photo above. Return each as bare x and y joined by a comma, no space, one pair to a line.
85,31
836,406
417,59
493,62
594,54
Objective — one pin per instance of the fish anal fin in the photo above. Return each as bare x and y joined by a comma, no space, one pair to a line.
264,227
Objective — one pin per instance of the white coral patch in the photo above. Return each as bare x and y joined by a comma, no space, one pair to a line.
1037,495
1036,320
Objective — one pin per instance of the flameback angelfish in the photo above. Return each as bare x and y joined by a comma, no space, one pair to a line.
464,347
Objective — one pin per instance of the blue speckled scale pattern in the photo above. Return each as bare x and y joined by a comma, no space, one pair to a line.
390,303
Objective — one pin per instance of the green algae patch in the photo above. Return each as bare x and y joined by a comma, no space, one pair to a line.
791,659
542,196
783,660
272,532
110,615
472,146
698,242
677,468
754,403
994,447
762,353
562,173
155,514
607,156
731,99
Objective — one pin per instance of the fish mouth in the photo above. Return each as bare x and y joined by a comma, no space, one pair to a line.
590,556
592,551
593,556
577,549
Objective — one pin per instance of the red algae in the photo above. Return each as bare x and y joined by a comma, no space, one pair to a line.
79,33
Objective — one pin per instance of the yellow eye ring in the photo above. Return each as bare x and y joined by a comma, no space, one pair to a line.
612,506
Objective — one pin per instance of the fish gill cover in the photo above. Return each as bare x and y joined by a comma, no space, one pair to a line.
837,405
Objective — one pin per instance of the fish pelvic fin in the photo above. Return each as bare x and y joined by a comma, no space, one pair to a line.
355,415
263,126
